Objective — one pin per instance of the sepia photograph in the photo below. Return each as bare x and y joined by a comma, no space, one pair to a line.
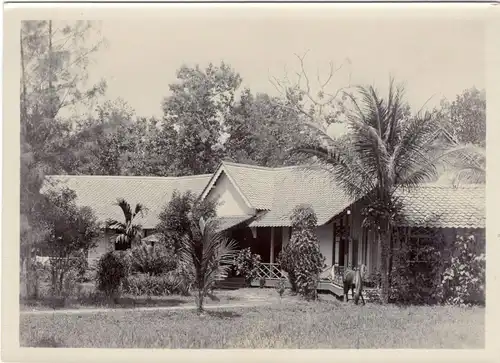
251,177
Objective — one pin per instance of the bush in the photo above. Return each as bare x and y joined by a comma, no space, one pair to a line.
168,283
301,258
157,260
464,278
112,269
416,281
247,265
286,262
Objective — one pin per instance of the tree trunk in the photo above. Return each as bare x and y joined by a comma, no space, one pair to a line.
390,255
23,77
199,301
384,255
31,291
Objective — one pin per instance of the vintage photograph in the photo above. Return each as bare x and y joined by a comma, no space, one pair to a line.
280,177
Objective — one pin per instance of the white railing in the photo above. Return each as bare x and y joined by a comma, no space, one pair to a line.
270,271
338,274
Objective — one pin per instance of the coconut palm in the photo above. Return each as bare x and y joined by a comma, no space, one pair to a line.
385,150
206,257
468,161
126,231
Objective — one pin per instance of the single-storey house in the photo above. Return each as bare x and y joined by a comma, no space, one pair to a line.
255,204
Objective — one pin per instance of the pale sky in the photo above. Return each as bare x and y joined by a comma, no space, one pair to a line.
437,56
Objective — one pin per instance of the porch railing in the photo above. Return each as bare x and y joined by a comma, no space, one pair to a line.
270,271
338,274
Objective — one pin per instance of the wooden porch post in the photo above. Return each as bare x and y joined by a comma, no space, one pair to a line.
271,256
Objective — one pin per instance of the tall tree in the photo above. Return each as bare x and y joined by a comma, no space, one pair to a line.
54,59
196,109
72,233
106,144
261,132
385,151
465,117
320,101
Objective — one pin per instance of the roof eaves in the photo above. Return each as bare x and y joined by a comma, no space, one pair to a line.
212,181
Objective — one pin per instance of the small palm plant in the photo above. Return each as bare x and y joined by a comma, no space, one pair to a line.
126,231
207,256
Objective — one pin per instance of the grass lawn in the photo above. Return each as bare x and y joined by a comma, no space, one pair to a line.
88,298
289,324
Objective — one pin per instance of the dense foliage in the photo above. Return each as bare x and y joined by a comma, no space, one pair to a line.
415,275
174,220
72,232
465,276
437,272
247,264
152,260
112,270
156,285
302,258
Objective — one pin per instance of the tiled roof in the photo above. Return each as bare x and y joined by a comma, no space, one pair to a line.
101,192
445,206
255,183
279,190
276,191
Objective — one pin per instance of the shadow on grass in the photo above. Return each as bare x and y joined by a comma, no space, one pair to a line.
223,314
46,342
97,300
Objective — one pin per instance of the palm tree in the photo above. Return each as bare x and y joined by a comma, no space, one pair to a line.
126,231
468,161
384,151
207,256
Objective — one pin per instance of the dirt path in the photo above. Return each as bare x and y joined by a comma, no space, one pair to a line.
149,308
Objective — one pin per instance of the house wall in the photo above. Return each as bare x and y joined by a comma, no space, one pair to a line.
325,236
105,243
232,204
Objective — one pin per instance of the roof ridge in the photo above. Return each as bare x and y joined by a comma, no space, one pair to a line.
250,166
129,176
450,186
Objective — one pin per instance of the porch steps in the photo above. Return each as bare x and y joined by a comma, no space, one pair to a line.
233,283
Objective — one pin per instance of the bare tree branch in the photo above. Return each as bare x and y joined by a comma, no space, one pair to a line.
318,107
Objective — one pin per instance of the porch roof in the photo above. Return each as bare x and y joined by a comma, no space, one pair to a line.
227,222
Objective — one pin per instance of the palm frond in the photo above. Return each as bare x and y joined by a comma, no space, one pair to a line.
125,207
339,162
115,225
470,176
208,255
122,238
139,209
465,156
411,154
